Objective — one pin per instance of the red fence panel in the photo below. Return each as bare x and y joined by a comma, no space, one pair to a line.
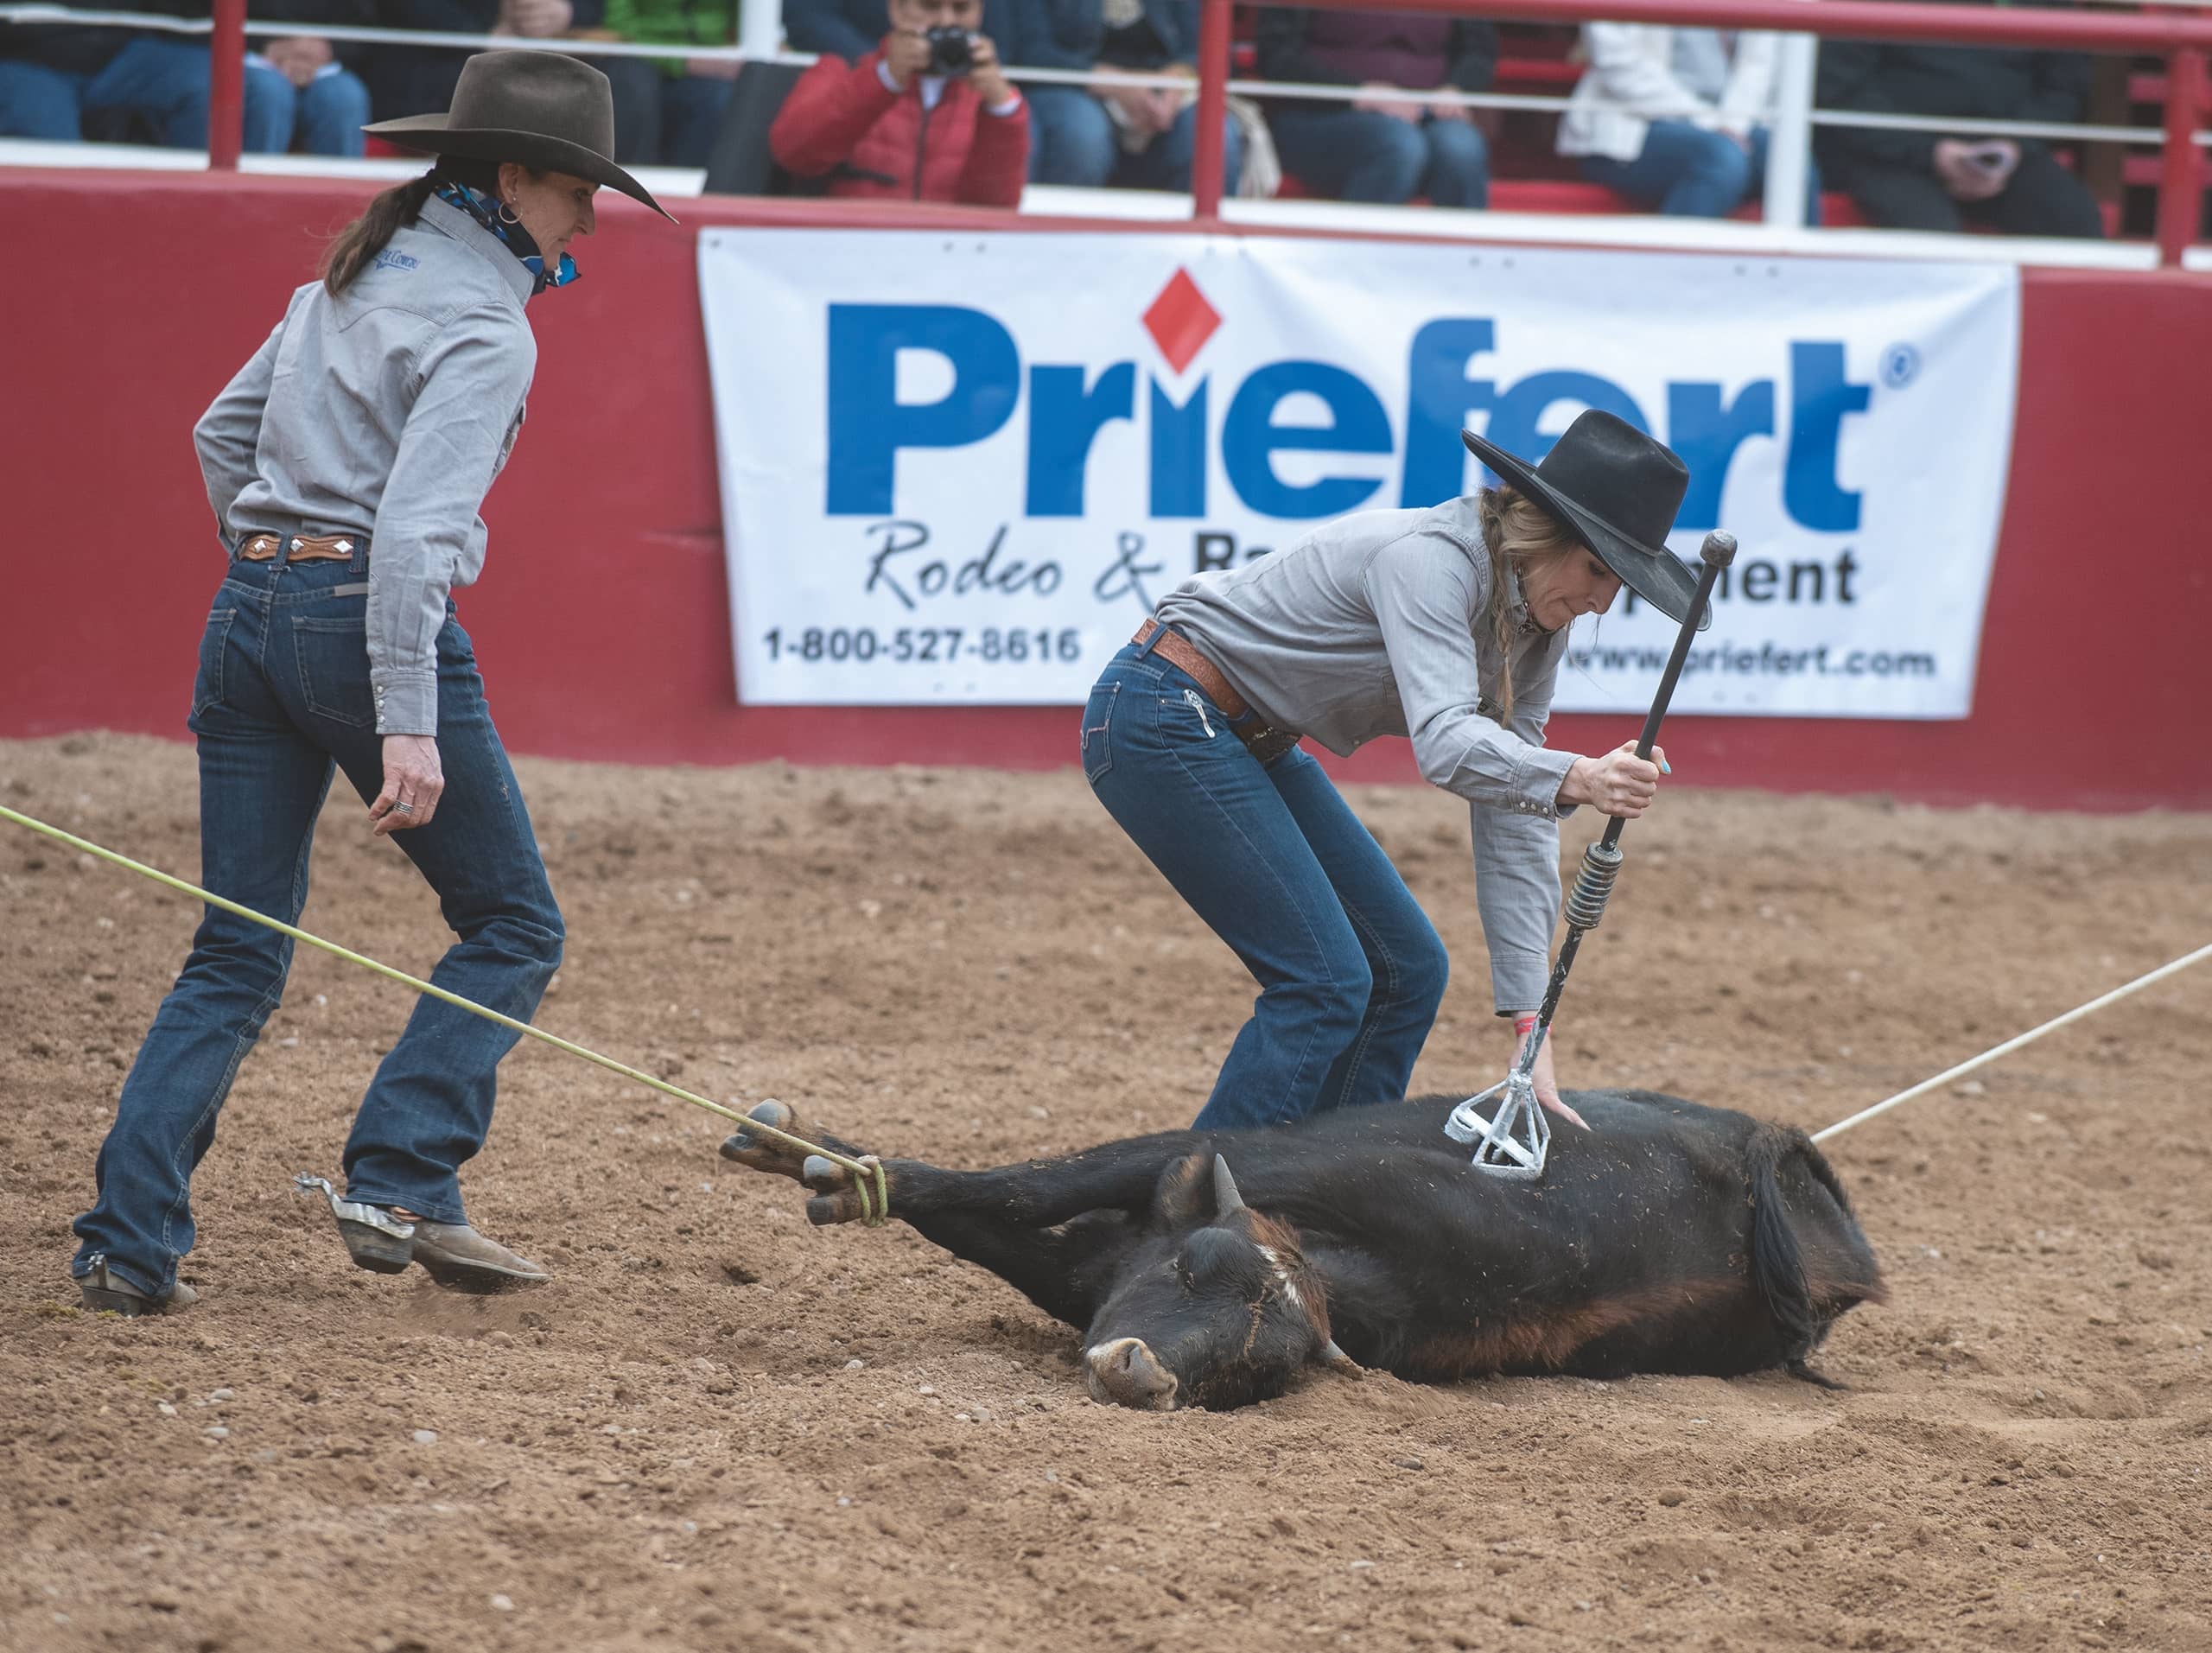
603,622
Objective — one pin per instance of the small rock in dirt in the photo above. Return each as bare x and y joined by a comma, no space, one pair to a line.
1672,1496
926,1388
216,1432
1970,1088
1361,1567
426,1437
221,1394
502,1604
165,1409
1409,1463
855,1365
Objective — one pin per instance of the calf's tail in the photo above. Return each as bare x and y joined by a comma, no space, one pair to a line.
1778,1259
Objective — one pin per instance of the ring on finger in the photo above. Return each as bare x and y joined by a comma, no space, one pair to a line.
404,809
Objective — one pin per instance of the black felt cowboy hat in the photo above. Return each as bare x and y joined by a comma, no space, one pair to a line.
1617,491
538,108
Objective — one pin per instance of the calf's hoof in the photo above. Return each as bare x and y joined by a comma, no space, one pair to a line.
759,1151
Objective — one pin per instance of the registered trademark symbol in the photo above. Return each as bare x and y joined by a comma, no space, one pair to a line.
1900,365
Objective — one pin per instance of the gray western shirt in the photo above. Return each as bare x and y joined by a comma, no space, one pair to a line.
1373,625
385,412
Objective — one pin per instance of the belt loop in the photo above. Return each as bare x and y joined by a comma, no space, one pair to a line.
1152,642
359,566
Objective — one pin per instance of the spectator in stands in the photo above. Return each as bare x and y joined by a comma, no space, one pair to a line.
667,109
63,82
1926,181
423,77
925,115
1675,119
846,28
1142,137
329,100
1380,148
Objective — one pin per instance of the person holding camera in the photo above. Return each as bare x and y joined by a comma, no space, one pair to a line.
928,115
1924,180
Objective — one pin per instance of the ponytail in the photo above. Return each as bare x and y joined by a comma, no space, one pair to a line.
361,240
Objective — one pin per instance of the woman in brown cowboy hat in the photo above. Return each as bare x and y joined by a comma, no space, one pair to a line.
346,464
1447,625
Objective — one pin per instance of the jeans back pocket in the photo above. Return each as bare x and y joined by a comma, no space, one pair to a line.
214,646
1097,730
334,660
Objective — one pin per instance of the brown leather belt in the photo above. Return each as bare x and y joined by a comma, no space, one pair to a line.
301,548
1265,742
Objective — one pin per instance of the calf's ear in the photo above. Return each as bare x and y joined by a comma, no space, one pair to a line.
1182,1198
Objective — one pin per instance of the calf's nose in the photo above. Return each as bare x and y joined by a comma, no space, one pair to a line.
1126,1372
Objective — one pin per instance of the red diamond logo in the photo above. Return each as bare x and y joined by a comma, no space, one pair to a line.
1180,321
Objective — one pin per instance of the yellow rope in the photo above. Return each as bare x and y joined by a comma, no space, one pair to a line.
866,1171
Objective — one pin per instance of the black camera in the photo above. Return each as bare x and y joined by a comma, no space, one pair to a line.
952,49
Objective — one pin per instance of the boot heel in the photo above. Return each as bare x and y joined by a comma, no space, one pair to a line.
127,1303
375,1249
374,1238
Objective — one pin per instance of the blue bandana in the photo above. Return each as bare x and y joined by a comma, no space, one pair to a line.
512,236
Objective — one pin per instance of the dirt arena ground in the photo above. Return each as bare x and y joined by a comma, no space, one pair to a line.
722,1430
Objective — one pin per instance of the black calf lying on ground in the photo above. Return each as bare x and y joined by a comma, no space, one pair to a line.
1668,1238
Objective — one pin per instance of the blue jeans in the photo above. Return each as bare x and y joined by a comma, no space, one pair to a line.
329,113
663,120
1072,140
1350,971
164,81
1357,155
281,703
1685,171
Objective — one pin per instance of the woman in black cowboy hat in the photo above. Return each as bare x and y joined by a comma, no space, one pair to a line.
1447,625
346,464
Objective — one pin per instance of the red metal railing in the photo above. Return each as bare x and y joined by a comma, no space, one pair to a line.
2183,39
226,86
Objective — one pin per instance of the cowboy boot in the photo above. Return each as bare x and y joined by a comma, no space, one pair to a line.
102,1288
461,1259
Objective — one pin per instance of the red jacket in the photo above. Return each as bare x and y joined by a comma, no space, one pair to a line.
884,143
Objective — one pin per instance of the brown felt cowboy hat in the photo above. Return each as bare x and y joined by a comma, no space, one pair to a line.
538,108
1616,490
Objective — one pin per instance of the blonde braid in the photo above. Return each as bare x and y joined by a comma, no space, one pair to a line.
1520,536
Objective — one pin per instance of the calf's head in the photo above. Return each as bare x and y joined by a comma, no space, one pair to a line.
1216,1308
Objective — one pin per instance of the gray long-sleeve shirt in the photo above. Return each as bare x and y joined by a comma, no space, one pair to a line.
385,412
1374,625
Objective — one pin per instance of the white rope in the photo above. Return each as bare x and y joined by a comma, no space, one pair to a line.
2012,1044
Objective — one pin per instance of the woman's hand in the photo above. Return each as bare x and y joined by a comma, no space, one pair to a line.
414,780
1620,783
1541,1077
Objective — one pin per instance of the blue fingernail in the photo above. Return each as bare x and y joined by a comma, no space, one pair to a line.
1666,768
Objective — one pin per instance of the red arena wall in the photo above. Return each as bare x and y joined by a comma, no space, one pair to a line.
602,619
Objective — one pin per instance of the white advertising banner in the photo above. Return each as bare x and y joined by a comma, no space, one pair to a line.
962,468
